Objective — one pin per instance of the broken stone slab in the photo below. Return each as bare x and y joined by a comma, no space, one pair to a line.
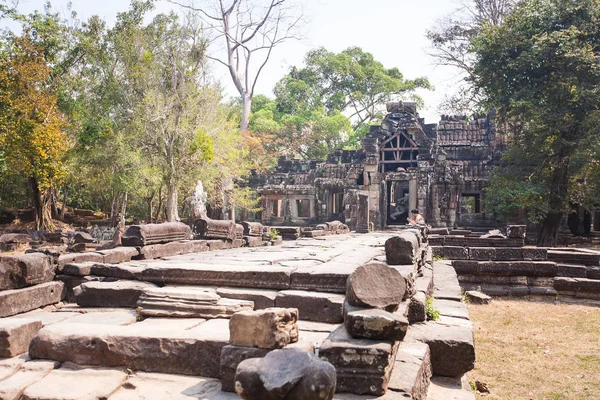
110,294
288,232
195,351
146,385
374,324
375,285
232,356
285,373
253,228
18,301
188,303
262,298
144,235
311,326
15,335
78,269
78,258
207,228
417,308
19,271
402,249
475,297
516,231
252,241
452,348
82,237
92,384
31,372
412,372
313,306
118,254
363,366
272,328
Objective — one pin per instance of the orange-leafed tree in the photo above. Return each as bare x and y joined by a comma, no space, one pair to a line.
32,128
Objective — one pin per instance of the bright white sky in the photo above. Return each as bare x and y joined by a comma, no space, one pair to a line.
392,30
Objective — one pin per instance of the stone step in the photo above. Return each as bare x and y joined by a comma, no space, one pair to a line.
30,372
506,268
578,287
410,377
194,351
18,301
110,294
313,306
574,257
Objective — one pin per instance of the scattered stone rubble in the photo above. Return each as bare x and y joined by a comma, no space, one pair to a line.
332,304
506,267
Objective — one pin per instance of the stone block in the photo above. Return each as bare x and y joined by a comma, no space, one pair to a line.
363,366
516,231
475,297
456,253
313,306
534,254
262,298
416,308
15,335
207,228
19,271
91,384
231,357
71,282
437,251
110,294
80,269
272,328
78,258
374,324
271,377
573,271
144,235
170,249
195,351
18,301
544,268
402,249
375,285
188,302
591,273
509,254
253,241
485,279
253,228
118,255
412,372
452,348
466,267
449,308
482,253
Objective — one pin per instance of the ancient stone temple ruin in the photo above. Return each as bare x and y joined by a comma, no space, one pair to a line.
440,169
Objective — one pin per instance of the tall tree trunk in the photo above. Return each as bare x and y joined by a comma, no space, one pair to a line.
548,232
149,203
64,204
41,206
53,203
123,207
246,109
171,206
160,204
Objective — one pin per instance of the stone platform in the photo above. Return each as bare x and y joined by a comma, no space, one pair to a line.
179,358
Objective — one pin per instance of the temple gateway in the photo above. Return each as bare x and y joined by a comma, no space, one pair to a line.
440,169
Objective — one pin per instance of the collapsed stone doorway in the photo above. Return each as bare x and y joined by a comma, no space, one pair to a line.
398,207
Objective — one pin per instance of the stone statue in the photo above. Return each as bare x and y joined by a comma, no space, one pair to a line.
199,198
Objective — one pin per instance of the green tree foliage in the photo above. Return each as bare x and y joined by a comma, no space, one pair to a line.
351,82
541,67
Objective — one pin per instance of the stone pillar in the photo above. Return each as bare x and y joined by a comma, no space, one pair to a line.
412,194
362,221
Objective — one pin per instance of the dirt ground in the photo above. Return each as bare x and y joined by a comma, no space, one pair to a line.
530,350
